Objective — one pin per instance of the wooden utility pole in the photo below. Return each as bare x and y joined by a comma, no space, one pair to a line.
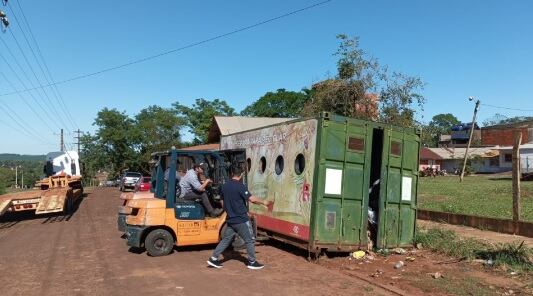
516,175
469,138
61,143
78,140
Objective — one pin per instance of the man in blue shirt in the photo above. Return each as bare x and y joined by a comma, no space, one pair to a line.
235,200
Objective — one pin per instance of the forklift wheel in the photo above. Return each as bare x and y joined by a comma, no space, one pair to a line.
159,242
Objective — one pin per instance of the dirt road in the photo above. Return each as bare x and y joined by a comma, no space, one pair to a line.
83,254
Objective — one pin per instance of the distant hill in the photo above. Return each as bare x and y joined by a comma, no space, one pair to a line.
19,157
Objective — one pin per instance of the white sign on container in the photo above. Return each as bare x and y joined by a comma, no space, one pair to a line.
406,188
333,181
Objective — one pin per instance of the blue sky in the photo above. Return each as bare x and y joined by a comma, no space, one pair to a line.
459,48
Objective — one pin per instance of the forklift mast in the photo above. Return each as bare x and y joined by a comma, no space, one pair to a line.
217,163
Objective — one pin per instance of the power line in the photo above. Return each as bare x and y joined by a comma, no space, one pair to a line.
35,76
20,122
20,94
43,89
57,93
507,108
37,102
141,60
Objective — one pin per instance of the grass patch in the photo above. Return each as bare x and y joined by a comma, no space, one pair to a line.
477,195
514,256
454,286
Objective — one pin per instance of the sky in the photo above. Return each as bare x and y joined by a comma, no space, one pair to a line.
458,48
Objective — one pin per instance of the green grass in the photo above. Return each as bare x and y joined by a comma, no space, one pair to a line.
515,256
488,196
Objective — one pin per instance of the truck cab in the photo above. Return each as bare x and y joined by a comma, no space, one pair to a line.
163,221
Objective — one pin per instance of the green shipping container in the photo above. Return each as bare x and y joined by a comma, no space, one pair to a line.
326,174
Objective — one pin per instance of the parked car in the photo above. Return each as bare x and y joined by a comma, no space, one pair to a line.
144,184
129,180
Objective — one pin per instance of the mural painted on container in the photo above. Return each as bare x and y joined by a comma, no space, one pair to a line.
283,151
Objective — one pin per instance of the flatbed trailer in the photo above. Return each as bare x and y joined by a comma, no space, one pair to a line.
55,194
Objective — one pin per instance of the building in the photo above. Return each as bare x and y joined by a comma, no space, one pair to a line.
459,136
503,134
526,158
482,159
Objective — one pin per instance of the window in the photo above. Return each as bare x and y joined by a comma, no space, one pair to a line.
263,164
299,164
508,157
279,165
494,162
396,148
249,164
356,144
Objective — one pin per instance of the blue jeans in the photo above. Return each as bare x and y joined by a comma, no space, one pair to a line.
244,230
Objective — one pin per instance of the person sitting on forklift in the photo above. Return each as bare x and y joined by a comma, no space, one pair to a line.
191,188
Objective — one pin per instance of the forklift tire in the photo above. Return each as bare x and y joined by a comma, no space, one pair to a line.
159,242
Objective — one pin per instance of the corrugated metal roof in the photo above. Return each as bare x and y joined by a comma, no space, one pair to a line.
458,153
234,124
215,146
523,146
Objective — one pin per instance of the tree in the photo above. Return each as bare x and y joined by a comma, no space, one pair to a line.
200,116
350,92
364,89
119,139
444,122
158,129
502,119
281,103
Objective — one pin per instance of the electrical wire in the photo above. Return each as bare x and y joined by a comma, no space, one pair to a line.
506,108
37,102
52,118
141,60
31,133
54,89
20,95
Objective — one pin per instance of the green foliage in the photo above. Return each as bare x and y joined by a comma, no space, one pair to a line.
440,124
121,142
32,170
476,195
514,255
281,103
200,116
364,89
498,119
20,157
159,129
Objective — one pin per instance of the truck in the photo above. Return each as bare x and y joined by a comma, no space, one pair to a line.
159,220
58,192
337,184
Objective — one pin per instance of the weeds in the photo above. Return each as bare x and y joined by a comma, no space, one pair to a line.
515,256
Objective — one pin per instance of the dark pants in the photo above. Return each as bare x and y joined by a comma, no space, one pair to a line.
244,230
205,200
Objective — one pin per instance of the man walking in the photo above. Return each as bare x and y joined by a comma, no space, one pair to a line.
235,200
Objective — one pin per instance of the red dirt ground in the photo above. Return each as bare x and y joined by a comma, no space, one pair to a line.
83,254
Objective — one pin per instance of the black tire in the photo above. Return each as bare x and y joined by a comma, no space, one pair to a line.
159,242
67,208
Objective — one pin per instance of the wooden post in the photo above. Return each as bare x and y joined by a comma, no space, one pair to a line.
516,175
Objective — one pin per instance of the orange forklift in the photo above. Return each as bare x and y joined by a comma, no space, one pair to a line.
164,221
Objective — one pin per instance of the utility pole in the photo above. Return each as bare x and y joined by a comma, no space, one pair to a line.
16,176
516,174
78,140
469,138
61,143
22,183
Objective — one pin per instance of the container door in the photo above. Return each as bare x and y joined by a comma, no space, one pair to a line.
399,179
341,193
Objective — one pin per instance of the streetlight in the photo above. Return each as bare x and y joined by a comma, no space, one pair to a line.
470,137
